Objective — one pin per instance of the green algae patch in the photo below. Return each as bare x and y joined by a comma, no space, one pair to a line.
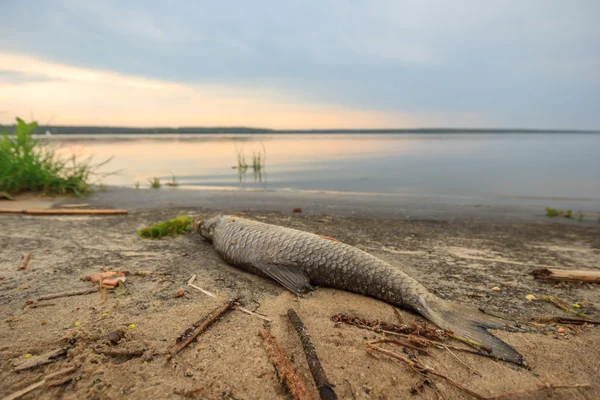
174,227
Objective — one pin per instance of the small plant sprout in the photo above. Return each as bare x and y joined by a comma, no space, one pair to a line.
137,185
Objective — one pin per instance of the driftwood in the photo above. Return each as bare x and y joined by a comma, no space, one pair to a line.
67,294
65,212
42,359
285,370
201,326
49,379
566,275
324,387
24,261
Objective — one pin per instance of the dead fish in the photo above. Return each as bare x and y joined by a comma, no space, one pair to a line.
298,260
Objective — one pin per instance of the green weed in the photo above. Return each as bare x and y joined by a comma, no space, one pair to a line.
173,227
137,185
26,165
553,212
155,183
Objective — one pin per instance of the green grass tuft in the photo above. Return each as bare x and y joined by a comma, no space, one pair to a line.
173,227
155,183
553,212
26,165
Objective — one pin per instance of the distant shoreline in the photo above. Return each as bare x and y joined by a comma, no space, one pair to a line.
107,130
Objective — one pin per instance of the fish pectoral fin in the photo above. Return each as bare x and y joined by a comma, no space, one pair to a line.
289,277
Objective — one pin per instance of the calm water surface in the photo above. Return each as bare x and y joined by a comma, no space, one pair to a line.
541,166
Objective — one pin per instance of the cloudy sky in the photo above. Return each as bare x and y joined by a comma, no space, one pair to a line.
302,64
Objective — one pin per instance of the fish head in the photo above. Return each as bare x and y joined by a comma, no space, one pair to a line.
206,227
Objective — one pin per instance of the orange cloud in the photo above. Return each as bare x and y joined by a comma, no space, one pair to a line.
81,96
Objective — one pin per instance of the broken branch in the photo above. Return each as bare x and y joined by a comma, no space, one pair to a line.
201,326
43,359
285,370
566,275
324,387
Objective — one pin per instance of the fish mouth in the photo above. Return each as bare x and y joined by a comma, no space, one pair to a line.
197,225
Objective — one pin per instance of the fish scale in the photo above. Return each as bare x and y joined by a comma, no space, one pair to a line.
297,259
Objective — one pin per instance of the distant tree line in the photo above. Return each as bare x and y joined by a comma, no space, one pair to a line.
99,130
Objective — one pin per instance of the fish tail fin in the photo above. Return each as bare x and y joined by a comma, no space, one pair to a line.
471,325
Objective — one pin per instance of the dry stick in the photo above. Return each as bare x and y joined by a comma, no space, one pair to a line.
36,385
24,261
400,343
462,362
206,292
285,370
245,310
67,294
202,325
324,387
432,342
425,369
566,275
42,359
237,306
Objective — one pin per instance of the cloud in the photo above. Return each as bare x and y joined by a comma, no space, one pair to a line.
73,95
534,63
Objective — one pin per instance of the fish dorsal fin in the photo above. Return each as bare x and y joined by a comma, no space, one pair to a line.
289,277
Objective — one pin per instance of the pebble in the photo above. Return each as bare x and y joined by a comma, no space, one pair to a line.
495,289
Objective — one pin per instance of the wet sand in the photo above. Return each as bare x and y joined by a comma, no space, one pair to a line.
457,256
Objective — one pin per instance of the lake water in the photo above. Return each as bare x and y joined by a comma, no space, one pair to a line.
538,166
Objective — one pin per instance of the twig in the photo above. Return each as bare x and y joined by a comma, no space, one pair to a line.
43,359
236,307
67,294
285,370
437,343
245,310
24,262
400,343
201,326
206,292
563,306
461,361
423,369
47,379
324,387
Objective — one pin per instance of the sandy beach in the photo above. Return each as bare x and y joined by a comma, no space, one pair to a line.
458,256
